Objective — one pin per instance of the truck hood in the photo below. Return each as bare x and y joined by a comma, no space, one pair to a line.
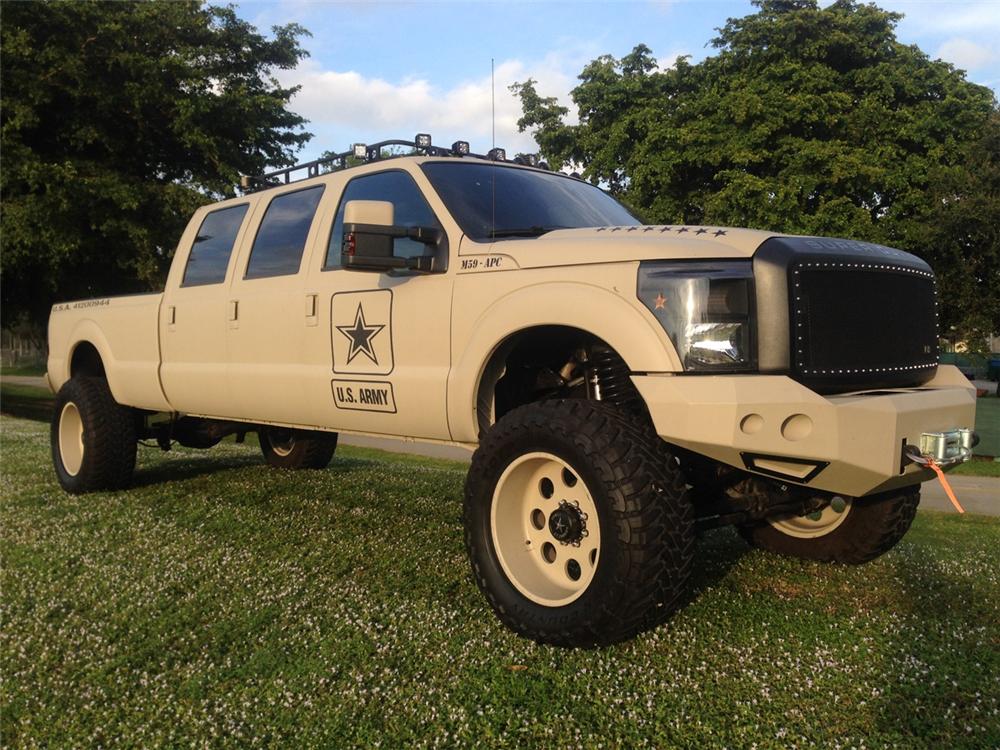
563,247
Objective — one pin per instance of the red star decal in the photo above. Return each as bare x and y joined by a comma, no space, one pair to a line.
660,301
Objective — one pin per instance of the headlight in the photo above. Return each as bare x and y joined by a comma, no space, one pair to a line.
707,310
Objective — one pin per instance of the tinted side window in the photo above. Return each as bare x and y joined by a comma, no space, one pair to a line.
410,210
277,249
209,257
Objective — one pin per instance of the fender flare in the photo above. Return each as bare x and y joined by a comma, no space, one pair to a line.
622,323
87,331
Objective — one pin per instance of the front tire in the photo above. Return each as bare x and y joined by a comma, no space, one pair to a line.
297,449
93,437
577,524
848,530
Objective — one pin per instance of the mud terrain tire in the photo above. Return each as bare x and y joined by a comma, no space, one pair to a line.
297,449
93,437
872,527
624,474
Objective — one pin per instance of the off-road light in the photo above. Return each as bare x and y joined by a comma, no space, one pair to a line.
460,147
531,160
360,150
422,140
496,154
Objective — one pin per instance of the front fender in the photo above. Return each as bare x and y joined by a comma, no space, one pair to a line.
600,309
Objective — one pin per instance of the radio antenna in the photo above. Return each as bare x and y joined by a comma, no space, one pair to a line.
493,102
493,126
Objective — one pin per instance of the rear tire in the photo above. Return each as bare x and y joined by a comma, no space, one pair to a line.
297,449
869,528
93,437
572,464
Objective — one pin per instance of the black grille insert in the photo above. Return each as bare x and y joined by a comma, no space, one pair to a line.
862,323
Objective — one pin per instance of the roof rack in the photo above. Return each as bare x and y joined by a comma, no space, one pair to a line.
364,153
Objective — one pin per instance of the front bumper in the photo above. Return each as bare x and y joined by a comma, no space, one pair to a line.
852,444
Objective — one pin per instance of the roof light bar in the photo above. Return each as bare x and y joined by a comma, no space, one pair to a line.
369,152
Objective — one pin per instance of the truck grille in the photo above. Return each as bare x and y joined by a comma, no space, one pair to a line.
862,323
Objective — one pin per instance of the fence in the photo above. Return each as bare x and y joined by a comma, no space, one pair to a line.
17,350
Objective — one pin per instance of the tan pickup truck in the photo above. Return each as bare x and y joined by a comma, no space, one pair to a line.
626,385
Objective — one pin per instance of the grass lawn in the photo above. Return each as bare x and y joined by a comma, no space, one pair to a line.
38,369
988,425
978,467
26,401
222,603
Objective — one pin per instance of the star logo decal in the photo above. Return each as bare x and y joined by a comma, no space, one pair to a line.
719,232
360,334
682,230
702,230
660,301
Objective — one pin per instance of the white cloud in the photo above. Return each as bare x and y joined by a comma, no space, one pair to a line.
669,62
955,17
966,54
664,6
352,106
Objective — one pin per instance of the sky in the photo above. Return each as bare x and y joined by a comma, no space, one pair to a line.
380,70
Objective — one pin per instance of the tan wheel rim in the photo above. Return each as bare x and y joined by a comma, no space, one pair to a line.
71,439
819,523
282,443
545,529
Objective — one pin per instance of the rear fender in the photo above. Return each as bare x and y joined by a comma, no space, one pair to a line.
84,332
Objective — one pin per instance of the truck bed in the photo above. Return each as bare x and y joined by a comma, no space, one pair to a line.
125,332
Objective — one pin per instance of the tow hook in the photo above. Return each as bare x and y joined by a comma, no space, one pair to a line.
946,448
930,461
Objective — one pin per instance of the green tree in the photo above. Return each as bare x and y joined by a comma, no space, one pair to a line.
118,120
809,120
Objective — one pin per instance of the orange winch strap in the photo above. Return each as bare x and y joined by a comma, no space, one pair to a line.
947,487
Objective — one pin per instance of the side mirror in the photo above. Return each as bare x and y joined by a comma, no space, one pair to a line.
369,237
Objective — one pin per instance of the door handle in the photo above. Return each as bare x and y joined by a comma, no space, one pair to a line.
311,317
234,313
171,316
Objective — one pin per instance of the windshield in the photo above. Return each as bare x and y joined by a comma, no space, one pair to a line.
490,201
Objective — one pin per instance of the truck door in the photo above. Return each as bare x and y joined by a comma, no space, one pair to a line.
193,368
265,320
378,354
